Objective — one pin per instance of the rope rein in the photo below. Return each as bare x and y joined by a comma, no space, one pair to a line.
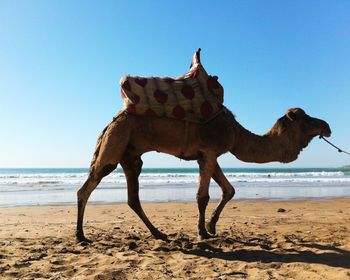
339,150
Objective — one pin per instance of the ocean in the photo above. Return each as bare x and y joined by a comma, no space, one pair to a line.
39,186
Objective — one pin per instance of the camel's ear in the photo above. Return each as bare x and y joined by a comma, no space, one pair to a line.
291,115
294,113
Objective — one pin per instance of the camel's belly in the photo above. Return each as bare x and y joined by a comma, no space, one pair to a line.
167,136
182,139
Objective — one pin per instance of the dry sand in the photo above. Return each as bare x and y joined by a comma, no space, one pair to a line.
309,240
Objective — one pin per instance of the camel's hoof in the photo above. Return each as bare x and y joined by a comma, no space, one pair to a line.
211,229
204,236
161,236
82,240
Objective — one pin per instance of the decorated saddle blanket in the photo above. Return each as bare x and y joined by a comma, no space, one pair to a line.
195,96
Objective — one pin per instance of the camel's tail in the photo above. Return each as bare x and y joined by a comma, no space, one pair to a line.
97,149
99,142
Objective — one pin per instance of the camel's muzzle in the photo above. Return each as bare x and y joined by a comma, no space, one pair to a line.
319,128
325,129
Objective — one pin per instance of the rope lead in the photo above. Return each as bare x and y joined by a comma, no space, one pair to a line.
339,150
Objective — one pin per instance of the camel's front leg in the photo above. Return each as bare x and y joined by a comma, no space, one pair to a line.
206,169
132,168
227,193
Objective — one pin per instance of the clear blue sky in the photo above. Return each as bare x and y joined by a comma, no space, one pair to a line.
61,62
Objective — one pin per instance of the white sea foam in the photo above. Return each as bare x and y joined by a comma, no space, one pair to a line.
31,187
76,179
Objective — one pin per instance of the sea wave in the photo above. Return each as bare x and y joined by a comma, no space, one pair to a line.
47,186
164,174
118,178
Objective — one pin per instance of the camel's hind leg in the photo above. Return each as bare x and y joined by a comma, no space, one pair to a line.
227,193
83,196
132,166
110,147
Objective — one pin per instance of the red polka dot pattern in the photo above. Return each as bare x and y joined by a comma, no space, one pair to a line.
160,96
206,109
187,91
179,112
141,81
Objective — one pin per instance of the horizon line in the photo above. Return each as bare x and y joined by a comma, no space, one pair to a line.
195,167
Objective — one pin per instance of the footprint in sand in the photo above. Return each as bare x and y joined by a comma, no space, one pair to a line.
60,268
111,274
57,262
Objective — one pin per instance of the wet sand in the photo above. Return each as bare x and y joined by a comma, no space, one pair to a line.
257,239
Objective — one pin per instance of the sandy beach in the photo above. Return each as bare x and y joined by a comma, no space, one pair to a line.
257,239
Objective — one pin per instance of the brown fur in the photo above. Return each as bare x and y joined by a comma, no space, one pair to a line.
128,136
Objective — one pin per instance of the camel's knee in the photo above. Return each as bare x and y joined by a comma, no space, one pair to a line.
81,193
90,184
229,194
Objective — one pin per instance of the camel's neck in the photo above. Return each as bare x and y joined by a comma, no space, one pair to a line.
250,147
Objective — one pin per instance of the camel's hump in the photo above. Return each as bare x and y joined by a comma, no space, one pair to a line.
195,96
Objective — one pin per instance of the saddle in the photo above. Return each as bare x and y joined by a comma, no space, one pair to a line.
194,97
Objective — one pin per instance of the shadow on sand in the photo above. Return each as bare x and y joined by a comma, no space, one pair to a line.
243,248
337,258
268,253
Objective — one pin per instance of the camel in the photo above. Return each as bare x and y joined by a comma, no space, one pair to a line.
128,136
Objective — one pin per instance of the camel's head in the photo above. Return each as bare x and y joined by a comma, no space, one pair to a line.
298,129
308,126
